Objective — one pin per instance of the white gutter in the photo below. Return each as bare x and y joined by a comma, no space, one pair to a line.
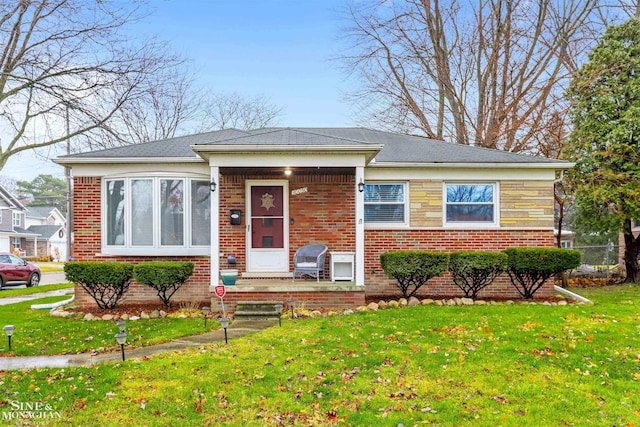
114,160
494,165
572,295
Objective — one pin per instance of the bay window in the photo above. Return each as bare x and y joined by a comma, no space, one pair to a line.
156,215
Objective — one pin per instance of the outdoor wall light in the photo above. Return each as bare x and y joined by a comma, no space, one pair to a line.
361,186
224,322
212,186
290,301
287,172
122,325
205,314
121,338
9,331
279,308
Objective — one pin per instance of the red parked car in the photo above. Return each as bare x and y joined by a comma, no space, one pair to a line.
16,271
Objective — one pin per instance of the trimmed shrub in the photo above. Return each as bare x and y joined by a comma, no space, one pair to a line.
166,277
530,268
105,282
412,269
473,271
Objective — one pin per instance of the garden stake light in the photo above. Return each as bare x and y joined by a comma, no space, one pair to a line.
279,310
122,325
224,321
205,313
290,301
9,331
121,338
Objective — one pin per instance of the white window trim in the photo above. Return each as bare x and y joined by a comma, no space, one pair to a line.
155,249
16,215
460,224
387,225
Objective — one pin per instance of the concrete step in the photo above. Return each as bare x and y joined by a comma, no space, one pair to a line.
256,310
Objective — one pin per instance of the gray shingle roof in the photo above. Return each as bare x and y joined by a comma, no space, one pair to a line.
398,148
39,211
46,231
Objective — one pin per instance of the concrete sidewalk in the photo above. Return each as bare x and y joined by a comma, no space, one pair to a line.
238,328
22,298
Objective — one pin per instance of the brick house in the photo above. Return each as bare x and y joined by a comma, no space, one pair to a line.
359,191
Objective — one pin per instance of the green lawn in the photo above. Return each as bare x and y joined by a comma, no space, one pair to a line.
520,365
10,292
37,333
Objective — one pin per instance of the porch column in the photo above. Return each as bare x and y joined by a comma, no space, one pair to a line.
359,228
215,226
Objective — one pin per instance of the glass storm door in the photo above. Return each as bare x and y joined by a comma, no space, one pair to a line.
267,229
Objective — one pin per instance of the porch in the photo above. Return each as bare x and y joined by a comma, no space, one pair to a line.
308,294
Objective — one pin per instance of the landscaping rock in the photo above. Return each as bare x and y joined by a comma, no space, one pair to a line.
562,302
88,316
332,313
382,304
155,314
348,312
65,314
373,306
315,313
413,301
163,314
361,308
402,302
466,301
480,302
124,317
449,302
144,315
438,303
133,318
427,301
107,317
509,302
393,304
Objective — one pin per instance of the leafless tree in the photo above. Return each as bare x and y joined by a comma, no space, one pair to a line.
223,111
67,68
490,73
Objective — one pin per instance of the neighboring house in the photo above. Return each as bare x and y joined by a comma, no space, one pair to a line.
14,236
49,222
260,195
566,239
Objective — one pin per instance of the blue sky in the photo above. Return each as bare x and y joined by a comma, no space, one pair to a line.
281,49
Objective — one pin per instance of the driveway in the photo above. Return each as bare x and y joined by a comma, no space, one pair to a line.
52,278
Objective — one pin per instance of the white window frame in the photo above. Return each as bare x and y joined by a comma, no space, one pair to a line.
472,224
16,242
403,224
16,219
156,249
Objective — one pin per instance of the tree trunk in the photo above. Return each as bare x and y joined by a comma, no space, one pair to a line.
631,250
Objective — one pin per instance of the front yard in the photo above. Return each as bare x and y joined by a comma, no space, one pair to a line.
525,365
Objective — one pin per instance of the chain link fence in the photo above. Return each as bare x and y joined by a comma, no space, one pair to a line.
599,261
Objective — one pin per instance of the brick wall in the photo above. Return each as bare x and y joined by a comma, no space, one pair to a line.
379,241
307,300
324,214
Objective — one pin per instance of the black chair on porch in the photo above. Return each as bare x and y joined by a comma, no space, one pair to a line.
309,261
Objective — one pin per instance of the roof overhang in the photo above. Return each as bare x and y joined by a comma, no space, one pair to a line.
369,151
70,161
554,166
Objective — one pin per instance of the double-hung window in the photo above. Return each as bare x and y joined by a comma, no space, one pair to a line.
17,219
385,203
156,215
468,204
